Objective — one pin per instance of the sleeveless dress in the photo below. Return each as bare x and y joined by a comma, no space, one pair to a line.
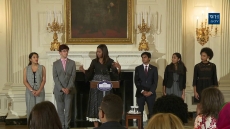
100,72
34,79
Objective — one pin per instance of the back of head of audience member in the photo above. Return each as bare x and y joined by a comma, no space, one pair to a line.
212,100
223,121
111,108
44,116
164,121
172,104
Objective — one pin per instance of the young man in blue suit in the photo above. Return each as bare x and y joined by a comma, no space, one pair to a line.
146,78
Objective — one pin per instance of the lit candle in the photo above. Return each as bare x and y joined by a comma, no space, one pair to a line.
47,20
144,15
197,22
140,18
147,19
202,15
54,15
135,24
157,21
149,9
57,16
160,22
50,18
61,18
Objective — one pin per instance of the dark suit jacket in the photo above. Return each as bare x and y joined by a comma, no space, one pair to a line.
143,82
168,79
111,125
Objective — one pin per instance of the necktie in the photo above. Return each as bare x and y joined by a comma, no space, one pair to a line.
64,63
146,70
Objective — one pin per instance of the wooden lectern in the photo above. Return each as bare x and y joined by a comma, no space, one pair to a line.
93,84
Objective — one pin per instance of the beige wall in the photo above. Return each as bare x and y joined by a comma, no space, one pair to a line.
3,64
41,39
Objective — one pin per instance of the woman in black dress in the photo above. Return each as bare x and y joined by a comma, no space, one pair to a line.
175,77
204,73
99,70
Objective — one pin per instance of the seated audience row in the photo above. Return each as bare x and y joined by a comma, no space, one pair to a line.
214,114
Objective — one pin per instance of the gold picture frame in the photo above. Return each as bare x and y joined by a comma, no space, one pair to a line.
98,22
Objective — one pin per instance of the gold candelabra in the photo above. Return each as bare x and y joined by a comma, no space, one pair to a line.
203,33
55,27
143,28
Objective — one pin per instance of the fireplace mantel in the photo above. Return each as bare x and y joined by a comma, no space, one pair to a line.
127,59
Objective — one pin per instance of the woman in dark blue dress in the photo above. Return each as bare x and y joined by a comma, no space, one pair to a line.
99,70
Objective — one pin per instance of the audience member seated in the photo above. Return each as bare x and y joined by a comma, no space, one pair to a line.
211,101
44,116
110,112
172,104
223,121
164,121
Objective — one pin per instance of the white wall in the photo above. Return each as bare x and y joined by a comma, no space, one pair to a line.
41,39
3,64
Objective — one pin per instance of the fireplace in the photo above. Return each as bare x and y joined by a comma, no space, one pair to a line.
128,61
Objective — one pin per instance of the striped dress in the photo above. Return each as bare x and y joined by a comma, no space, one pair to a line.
34,79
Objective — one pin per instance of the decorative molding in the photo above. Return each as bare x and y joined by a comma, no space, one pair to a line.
148,2
128,59
3,104
174,35
203,3
50,1
184,14
225,46
2,118
21,121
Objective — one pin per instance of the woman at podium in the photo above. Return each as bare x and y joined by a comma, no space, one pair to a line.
99,70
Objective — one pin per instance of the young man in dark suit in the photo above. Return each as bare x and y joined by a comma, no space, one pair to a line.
110,112
146,78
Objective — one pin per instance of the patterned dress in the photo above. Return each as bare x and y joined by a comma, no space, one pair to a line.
203,122
175,89
34,79
100,72
204,76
